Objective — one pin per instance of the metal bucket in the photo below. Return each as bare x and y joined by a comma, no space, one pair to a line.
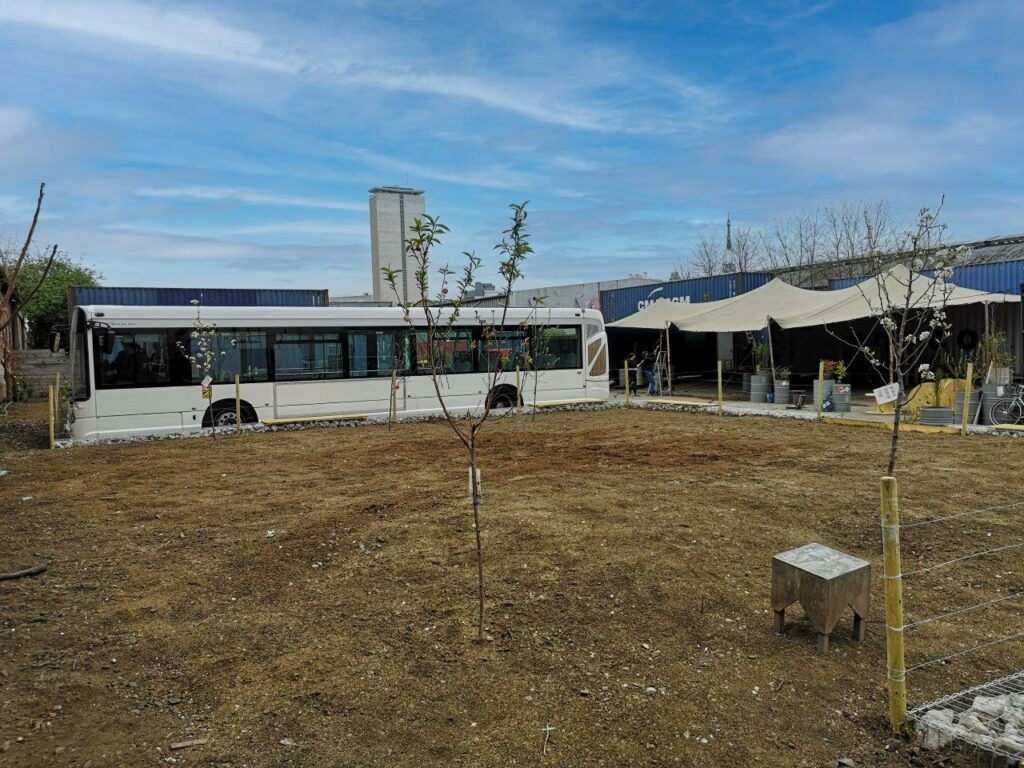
990,395
782,392
972,412
746,383
758,388
936,417
829,384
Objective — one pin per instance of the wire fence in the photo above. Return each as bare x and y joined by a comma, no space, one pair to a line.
988,718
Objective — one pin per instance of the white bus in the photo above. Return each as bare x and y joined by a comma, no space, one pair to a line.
131,375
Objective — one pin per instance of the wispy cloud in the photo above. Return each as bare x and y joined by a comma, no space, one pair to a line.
250,197
179,32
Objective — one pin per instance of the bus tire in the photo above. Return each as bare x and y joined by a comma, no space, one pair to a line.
503,396
222,414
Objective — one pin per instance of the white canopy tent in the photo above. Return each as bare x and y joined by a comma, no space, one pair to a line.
792,307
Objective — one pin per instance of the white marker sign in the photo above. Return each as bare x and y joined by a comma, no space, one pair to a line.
887,394
207,381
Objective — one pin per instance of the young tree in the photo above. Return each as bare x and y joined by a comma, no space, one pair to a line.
438,319
202,353
908,296
15,285
49,307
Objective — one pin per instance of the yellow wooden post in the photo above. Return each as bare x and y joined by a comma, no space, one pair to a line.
625,373
238,404
893,604
967,399
517,391
50,400
821,385
721,391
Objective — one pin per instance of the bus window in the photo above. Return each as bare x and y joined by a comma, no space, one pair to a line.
245,354
80,364
299,356
557,347
502,349
151,363
116,359
376,353
453,351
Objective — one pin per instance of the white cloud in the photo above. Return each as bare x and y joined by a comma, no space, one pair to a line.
864,145
171,30
569,90
251,197
14,121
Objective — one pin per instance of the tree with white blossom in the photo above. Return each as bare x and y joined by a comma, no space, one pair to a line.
909,310
201,352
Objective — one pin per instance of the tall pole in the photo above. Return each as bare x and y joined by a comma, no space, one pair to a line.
771,349
821,385
897,673
668,354
721,392
625,374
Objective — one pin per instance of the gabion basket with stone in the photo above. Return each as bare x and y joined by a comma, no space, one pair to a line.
988,717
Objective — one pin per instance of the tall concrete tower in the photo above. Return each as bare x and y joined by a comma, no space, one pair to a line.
392,213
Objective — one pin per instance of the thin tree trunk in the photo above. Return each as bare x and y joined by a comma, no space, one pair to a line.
898,412
479,540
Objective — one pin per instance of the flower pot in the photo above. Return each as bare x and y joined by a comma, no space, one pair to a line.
827,384
842,396
758,388
781,390
972,412
936,417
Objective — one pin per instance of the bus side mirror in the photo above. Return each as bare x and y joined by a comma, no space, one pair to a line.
106,341
55,341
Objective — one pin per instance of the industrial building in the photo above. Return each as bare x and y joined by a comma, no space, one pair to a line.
392,213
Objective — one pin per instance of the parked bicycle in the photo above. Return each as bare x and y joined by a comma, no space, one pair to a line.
1008,410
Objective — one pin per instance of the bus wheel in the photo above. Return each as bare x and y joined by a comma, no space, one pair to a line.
222,414
502,397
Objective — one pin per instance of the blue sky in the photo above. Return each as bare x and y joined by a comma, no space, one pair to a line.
233,144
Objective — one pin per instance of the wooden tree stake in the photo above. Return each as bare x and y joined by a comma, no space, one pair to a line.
238,404
517,392
893,604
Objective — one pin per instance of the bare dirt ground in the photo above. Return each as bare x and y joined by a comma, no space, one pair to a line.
307,598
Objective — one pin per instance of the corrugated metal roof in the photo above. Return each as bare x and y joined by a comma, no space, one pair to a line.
209,297
994,277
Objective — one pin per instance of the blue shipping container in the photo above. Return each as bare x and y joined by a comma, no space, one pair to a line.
995,277
209,297
622,302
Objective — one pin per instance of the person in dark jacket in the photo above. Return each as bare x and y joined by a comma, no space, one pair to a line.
647,366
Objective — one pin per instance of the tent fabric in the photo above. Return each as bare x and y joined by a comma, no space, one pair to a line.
868,298
793,307
654,316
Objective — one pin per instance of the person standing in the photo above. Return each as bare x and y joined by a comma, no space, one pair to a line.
647,365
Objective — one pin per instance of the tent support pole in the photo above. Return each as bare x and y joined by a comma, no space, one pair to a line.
771,350
668,354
